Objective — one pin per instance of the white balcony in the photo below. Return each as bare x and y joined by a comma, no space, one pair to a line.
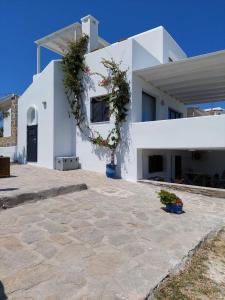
188,133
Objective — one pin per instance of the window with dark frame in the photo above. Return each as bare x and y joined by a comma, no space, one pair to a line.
99,109
148,107
173,114
155,163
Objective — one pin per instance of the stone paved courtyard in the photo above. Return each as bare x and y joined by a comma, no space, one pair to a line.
112,241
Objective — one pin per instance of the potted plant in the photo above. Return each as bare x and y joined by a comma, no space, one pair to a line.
173,203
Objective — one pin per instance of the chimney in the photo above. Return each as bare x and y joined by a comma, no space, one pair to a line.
90,28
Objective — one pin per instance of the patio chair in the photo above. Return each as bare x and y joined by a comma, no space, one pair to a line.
222,180
216,181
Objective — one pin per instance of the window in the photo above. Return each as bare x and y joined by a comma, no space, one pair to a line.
173,114
32,117
99,109
148,108
155,163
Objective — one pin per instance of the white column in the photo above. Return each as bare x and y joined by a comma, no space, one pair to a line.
38,59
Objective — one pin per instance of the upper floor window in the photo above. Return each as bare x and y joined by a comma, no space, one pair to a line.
99,109
173,114
148,108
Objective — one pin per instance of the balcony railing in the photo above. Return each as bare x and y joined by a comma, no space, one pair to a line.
206,132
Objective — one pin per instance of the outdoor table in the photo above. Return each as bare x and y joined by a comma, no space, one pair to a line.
197,178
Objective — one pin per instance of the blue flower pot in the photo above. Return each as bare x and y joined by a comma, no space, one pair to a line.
111,171
174,208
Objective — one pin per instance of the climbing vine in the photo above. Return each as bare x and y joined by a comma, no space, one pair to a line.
115,82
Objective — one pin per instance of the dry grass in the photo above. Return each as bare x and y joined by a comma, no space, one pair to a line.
203,277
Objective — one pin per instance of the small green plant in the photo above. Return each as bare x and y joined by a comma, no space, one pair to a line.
169,198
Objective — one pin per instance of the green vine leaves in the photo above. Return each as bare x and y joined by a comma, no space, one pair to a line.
116,84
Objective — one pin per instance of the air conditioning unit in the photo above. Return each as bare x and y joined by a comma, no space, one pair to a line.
65,163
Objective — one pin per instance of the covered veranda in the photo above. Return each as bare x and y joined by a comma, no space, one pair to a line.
189,150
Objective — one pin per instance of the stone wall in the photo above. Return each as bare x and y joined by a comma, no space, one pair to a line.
205,191
11,140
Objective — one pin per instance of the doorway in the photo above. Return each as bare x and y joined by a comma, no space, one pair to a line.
178,167
32,134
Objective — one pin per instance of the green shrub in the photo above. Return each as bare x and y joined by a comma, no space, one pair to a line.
167,197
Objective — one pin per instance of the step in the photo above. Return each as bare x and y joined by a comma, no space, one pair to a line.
11,201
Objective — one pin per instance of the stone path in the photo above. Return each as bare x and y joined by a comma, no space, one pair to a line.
110,242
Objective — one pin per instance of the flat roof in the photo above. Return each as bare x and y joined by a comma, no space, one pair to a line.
194,80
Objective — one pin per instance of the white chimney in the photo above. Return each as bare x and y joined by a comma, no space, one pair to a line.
90,28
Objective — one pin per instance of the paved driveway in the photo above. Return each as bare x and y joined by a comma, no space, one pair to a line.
112,241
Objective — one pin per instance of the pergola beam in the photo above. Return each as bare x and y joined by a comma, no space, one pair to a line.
195,86
210,92
191,76
203,99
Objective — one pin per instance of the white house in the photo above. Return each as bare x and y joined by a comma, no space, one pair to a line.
158,138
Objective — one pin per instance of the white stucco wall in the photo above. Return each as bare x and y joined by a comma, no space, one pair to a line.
41,90
171,48
9,152
56,130
187,133
147,48
64,125
92,157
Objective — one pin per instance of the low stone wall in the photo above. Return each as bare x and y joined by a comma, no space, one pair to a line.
206,191
11,140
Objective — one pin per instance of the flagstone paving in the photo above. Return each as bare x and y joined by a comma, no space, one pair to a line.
112,241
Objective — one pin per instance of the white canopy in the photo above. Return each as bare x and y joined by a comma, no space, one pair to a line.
58,40
194,80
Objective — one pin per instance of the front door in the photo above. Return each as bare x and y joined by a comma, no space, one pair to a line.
178,167
32,143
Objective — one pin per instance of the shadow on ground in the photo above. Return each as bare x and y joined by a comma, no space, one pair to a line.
8,189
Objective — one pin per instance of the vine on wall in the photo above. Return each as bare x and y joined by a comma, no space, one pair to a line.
118,93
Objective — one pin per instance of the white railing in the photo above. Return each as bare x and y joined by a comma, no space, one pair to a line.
186,133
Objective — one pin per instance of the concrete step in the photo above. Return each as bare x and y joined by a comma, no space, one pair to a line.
11,201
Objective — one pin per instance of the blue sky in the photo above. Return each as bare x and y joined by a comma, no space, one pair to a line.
198,27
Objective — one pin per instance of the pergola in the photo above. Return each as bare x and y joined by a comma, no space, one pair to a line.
58,41
194,80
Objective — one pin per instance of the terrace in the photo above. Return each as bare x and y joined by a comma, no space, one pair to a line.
187,149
